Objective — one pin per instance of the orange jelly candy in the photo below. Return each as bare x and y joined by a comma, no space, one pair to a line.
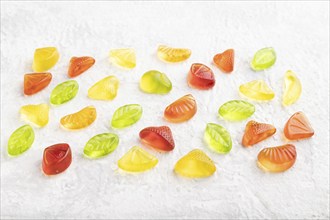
78,65
277,159
200,77
256,132
181,110
35,82
225,61
298,127
56,159
159,138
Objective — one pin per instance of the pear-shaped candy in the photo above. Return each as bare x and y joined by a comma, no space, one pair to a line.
236,110
292,88
126,115
217,138
155,82
173,55
36,114
20,140
101,145
257,90
123,58
35,82
45,58
80,119
263,59
64,92
105,89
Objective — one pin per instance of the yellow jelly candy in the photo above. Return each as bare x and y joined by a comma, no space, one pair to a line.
155,82
36,114
105,89
292,88
123,57
172,55
257,90
80,119
137,160
45,58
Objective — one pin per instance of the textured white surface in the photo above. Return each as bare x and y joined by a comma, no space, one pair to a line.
95,188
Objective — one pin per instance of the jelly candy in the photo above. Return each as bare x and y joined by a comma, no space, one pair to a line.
35,82
155,82
196,164
225,61
45,58
256,132
101,145
64,92
159,138
263,59
200,77
105,89
137,160
36,114
217,138
123,58
78,65
181,110
173,55
236,110
80,119
298,127
126,115
292,88
257,90
20,140
277,159
57,158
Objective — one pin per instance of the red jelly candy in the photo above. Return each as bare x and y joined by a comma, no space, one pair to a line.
200,77
35,82
225,61
159,138
57,158
256,132
78,65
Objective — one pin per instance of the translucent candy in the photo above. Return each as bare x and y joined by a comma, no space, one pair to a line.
155,82
159,138
256,132
137,160
196,164
257,90
35,82
64,92
105,89
236,110
45,58
123,58
263,59
80,119
78,65
57,158
101,145
36,114
173,55
292,88
20,140
126,115
298,127
200,77
181,110
277,159
225,61
217,138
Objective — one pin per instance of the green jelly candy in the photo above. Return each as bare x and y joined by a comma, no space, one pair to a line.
263,59
20,140
64,92
126,116
217,138
101,145
155,82
236,110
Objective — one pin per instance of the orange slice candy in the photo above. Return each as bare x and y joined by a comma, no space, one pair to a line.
256,132
181,110
298,127
80,119
78,65
35,82
225,61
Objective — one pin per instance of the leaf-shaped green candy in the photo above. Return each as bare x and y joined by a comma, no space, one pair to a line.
218,138
236,110
263,59
64,92
155,82
126,116
20,140
101,145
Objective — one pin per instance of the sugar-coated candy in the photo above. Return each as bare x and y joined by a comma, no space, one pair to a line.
292,88
45,58
36,114
256,132
101,145
218,138
20,140
159,138
81,119
298,127
263,59
277,159
105,89
78,65
56,159
200,77
225,61
155,82
257,90
64,92
123,57
181,110
35,82
137,160
126,115
173,55
195,164
236,110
